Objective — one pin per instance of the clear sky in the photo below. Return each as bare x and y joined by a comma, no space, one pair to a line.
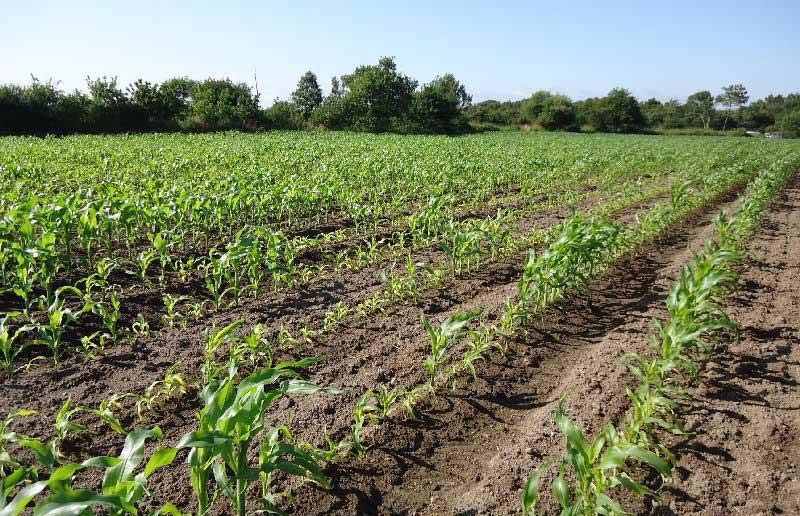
502,50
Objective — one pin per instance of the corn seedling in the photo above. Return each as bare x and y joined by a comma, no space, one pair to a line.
120,492
10,346
598,467
170,303
452,329
161,392
233,416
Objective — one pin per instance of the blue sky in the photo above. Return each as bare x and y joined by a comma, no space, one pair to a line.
502,50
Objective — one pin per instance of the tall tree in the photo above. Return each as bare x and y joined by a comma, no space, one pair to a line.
336,87
558,113
701,105
378,97
733,95
308,95
532,108
438,106
617,112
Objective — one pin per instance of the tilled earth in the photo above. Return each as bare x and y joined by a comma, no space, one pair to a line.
473,447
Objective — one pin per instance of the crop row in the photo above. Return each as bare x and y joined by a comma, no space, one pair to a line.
32,261
696,321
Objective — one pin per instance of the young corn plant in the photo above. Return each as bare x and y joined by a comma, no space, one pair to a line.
63,426
121,489
214,280
7,462
597,466
365,410
143,261
255,347
110,315
160,393
584,245
452,329
479,344
105,411
170,303
232,418
465,249
10,345
211,369
58,319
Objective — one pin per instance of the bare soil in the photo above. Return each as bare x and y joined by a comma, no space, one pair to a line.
473,447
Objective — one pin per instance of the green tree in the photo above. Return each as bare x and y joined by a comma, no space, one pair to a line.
438,106
653,112
147,98
532,108
700,105
378,97
674,114
790,123
308,95
617,112
557,113
110,109
222,104
732,96
176,98
283,115
336,87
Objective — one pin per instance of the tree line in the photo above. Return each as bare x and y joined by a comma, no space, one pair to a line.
621,112
373,98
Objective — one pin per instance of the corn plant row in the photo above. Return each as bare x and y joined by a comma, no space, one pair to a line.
159,217
232,273
231,424
239,269
580,249
467,249
85,229
680,345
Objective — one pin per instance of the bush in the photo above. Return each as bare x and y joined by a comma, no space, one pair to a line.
438,107
283,116
557,113
618,112
790,123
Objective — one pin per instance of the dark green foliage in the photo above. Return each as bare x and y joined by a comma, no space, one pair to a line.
179,103
373,98
617,112
308,95
221,104
283,115
700,107
438,107
376,98
790,123
532,108
557,113
494,112
733,96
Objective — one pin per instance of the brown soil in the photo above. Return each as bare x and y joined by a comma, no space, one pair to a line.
473,447
746,458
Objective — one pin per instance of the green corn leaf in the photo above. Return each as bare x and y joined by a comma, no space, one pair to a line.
23,498
130,457
74,503
561,490
161,458
530,493
203,439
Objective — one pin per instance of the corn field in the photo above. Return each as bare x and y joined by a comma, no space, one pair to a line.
234,323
